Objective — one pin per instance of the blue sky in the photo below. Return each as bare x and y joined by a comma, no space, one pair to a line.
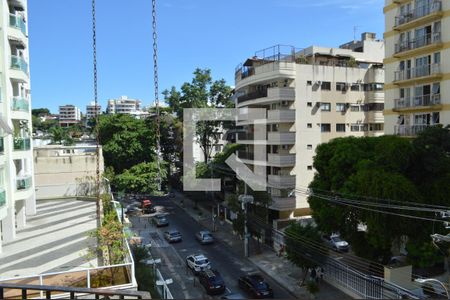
215,34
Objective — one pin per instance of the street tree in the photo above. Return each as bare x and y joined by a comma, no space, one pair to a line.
201,92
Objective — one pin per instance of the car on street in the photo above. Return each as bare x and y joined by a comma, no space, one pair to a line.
173,236
335,242
132,210
147,207
212,282
197,263
160,221
204,237
255,286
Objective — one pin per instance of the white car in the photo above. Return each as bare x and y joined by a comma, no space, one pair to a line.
198,262
335,242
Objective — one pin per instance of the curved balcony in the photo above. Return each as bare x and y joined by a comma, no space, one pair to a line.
281,115
18,22
283,203
281,160
418,74
281,138
20,104
281,181
267,96
418,16
19,68
24,182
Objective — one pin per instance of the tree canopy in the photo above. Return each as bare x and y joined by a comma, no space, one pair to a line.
387,167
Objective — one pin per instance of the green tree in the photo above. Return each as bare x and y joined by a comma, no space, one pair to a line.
201,92
58,135
141,178
303,247
39,112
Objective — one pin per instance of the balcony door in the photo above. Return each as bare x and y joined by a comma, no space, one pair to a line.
423,66
422,36
422,7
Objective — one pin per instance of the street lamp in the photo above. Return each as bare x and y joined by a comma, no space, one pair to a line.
425,280
245,199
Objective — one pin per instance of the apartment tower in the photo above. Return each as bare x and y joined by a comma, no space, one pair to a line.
123,105
311,96
17,196
69,115
417,73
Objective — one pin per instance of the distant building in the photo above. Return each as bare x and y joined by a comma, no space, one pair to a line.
123,105
69,115
92,110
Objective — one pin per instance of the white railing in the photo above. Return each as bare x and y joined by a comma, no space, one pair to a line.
163,289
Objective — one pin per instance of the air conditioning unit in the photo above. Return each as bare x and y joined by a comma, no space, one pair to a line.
284,103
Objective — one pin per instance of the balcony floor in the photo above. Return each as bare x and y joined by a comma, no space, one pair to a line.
54,240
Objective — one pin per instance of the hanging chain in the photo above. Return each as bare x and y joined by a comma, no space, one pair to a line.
155,77
97,149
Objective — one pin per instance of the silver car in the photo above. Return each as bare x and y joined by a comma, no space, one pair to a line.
173,236
204,237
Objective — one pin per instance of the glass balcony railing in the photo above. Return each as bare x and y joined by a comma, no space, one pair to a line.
22,144
17,21
24,183
419,12
2,145
421,71
418,42
418,101
19,63
20,104
2,197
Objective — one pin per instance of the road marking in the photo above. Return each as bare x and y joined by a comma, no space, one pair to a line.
339,257
228,290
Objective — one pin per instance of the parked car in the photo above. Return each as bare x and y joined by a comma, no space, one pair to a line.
198,262
233,296
160,221
336,243
204,237
173,236
255,286
212,282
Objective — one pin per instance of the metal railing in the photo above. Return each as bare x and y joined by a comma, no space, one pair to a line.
17,21
418,42
422,71
19,63
24,183
417,101
163,289
410,130
22,143
20,104
26,291
419,12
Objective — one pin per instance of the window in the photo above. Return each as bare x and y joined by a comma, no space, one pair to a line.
376,127
309,82
325,106
354,108
340,127
365,127
309,125
309,147
355,87
354,127
285,147
325,127
341,107
309,168
341,86
309,104
326,86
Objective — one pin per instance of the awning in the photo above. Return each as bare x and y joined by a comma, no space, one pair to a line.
5,127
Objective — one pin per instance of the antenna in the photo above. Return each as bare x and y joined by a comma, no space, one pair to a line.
355,28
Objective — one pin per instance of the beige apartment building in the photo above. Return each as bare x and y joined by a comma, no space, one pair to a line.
417,65
69,115
17,196
311,96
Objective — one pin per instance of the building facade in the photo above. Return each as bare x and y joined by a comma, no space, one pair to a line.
69,115
417,73
92,110
17,196
311,96
123,105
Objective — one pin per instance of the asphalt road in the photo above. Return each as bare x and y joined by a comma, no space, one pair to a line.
222,257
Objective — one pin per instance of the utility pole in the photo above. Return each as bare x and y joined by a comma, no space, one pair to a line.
245,199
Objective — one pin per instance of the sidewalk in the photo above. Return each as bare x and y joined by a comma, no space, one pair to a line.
279,269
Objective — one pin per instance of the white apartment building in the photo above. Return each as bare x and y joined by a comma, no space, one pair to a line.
68,115
17,196
311,96
417,71
92,110
123,105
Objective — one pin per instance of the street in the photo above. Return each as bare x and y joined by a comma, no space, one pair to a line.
230,264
